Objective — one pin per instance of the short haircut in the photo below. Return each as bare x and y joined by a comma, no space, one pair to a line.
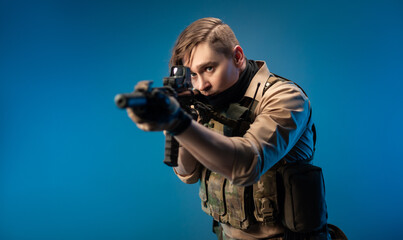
211,30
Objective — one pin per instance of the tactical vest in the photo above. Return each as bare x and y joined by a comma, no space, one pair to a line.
235,205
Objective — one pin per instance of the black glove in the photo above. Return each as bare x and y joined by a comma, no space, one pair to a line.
162,112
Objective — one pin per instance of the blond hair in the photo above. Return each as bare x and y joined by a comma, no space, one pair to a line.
211,30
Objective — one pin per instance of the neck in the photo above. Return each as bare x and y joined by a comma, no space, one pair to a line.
236,91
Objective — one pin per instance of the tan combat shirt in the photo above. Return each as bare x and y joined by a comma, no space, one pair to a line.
280,130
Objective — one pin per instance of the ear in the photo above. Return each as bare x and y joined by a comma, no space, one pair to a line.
239,57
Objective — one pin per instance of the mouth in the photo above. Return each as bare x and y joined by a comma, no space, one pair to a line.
208,93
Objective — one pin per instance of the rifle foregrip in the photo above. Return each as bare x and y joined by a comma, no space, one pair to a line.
171,151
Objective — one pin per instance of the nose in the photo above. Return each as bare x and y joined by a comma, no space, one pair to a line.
204,85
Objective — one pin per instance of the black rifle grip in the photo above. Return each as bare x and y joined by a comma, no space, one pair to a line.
171,151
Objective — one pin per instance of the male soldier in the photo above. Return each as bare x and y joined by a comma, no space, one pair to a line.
233,166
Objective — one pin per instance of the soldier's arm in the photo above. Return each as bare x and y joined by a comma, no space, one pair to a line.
209,148
281,118
186,162
188,169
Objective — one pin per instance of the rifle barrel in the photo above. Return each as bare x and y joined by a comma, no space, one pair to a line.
134,99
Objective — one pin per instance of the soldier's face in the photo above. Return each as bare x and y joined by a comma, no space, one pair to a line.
213,72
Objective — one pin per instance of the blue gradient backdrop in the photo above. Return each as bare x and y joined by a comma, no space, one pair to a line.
73,166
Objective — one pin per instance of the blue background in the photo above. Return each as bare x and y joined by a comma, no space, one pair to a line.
73,166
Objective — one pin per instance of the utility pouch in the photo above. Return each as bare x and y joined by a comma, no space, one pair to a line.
302,191
225,202
237,200
212,194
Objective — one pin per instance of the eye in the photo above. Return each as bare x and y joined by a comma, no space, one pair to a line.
209,69
193,75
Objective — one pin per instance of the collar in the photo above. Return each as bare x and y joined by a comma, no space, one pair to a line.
260,77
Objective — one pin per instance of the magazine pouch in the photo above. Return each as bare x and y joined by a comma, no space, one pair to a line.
302,190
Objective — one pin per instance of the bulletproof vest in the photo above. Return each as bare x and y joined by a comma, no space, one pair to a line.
235,205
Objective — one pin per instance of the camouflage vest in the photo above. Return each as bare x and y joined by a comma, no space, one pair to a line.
235,205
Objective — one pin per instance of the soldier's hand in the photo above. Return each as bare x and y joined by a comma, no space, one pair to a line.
162,112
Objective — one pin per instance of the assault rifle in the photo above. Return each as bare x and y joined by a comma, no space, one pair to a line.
178,85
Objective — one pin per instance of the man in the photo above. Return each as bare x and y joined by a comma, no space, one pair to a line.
235,168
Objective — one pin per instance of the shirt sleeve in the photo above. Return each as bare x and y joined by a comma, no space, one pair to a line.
195,175
281,118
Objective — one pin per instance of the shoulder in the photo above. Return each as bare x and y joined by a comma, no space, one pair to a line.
283,96
278,86
258,85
